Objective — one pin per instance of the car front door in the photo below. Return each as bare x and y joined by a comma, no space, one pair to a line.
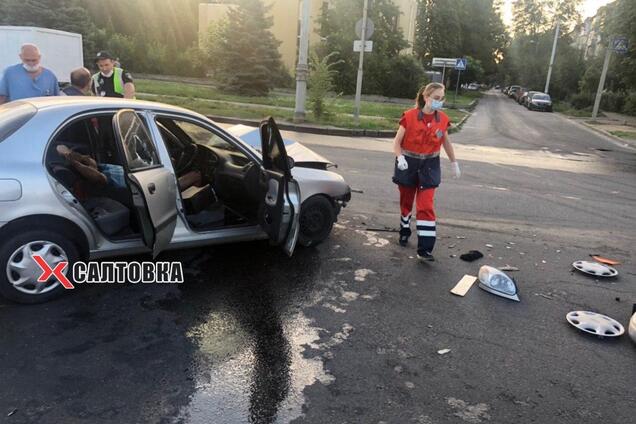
153,186
280,204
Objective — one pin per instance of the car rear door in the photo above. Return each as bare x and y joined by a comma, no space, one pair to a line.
153,186
280,204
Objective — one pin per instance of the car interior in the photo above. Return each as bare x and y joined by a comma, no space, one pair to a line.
219,184
227,191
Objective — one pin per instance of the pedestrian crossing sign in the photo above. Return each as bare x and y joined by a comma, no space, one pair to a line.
619,45
461,64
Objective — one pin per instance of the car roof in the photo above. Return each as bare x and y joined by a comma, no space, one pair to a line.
92,102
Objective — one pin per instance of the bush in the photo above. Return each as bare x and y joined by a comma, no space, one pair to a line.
629,107
612,101
581,100
406,76
320,82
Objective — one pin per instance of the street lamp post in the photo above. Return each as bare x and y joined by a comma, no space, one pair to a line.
356,113
601,83
302,70
554,46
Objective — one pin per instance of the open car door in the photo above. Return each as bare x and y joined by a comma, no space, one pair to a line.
280,205
153,187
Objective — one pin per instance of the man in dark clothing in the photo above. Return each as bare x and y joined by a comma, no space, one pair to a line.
111,81
80,83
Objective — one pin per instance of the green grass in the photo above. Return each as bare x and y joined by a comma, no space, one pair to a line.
567,109
375,115
631,135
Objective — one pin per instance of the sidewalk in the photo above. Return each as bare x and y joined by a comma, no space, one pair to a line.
619,127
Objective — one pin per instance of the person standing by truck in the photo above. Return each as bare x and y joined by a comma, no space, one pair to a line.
29,78
111,81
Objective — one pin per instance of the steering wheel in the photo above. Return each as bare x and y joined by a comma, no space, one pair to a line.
186,158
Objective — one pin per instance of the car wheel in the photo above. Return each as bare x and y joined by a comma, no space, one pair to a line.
317,217
19,271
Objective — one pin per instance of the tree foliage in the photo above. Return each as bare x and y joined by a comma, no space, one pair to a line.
337,24
461,28
243,52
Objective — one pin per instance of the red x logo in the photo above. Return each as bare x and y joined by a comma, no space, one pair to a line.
47,271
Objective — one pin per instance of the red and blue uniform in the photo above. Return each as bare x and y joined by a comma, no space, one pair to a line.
421,146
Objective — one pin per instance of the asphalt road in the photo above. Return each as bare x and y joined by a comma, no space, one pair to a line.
349,332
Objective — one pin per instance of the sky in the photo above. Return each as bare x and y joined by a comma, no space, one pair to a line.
588,8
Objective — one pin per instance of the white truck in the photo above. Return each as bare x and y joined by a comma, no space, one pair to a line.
61,51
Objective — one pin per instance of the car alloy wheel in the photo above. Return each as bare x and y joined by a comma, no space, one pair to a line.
23,271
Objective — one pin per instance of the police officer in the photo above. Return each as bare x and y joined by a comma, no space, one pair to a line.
423,131
111,81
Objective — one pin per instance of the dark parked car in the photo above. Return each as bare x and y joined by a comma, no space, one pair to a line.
540,101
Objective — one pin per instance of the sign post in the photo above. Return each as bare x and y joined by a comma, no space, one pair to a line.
443,62
460,65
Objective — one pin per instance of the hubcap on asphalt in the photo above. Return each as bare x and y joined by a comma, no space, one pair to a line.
594,323
23,272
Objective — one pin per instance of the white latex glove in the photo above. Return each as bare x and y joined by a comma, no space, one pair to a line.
455,170
402,163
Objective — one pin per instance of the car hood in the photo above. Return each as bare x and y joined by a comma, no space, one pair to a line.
303,156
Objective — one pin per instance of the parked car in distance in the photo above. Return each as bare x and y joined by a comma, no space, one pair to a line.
518,93
473,86
540,101
523,99
512,90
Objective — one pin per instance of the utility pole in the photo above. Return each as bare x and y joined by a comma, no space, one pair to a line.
601,83
363,34
554,46
302,70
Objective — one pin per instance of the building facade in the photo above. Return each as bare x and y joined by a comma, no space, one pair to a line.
286,29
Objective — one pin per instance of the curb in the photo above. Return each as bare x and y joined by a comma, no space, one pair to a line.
622,142
610,135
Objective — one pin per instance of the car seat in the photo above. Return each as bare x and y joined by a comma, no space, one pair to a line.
109,215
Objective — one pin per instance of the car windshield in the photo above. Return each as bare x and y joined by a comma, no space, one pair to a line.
13,116
540,97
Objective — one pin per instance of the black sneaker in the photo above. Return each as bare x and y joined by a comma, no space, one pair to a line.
404,240
425,257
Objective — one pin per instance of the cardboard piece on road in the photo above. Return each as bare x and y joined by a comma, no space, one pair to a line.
462,287
605,261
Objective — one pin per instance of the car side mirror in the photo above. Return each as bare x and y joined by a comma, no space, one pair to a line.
291,162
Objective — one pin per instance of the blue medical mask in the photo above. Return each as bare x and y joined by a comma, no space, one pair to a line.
437,104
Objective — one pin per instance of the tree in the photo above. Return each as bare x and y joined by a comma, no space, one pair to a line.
244,53
461,28
528,17
337,25
438,29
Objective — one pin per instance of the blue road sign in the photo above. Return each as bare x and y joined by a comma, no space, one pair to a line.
461,64
620,45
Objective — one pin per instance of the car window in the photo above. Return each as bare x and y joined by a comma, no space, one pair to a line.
201,135
138,146
541,97
13,116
